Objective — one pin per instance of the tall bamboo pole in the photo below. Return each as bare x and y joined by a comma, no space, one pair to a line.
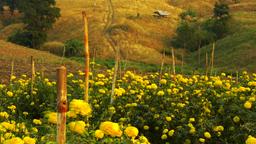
32,74
162,64
87,57
117,61
212,57
61,104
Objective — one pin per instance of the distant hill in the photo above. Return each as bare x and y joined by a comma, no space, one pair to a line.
234,53
140,35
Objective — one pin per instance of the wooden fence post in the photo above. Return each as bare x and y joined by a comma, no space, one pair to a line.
212,57
61,104
206,63
173,62
87,57
12,70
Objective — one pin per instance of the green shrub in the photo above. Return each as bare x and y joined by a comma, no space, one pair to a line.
73,47
28,38
54,47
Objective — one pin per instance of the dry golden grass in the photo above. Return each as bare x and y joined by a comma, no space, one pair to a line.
140,38
10,29
143,35
21,56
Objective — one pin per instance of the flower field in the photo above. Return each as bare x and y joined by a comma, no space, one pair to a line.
146,109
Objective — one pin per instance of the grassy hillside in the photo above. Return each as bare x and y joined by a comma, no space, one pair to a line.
141,38
21,55
235,52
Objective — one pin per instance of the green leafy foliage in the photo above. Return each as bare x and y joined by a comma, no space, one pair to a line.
38,17
28,38
73,47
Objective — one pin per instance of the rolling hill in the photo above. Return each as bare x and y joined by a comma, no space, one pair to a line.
140,35
44,62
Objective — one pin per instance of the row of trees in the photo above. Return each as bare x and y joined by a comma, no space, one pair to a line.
38,17
194,32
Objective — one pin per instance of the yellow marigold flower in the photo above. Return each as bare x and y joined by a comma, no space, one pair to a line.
102,91
207,135
131,131
171,132
192,130
248,105
168,118
99,134
202,140
252,83
4,115
52,117
218,83
163,81
8,126
37,121
15,140
25,113
12,107
29,140
77,126
111,128
218,128
252,99
10,94
99,83
250,140
143,140
80,107
164,137
70,75
160,93
165,131
192,120
34,130
100,75
236,119
145,127
8,135
154,86
13,77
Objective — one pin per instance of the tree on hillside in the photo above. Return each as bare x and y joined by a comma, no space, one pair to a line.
39,16
190,33
221,10
219,23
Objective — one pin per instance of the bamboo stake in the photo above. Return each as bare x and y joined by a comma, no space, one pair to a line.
117,60
173,62
162,65
206,63
61,104
87,57
32,74
12,71
212,57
